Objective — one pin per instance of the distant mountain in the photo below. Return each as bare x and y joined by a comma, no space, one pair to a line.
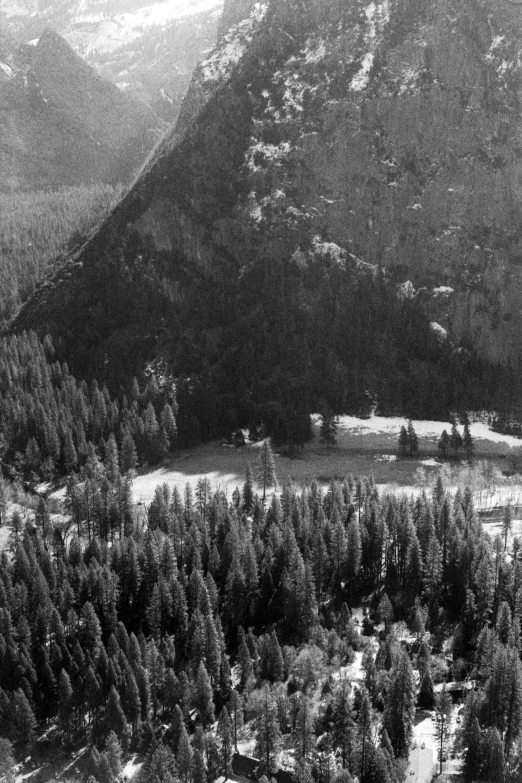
336,214
149,48
63,124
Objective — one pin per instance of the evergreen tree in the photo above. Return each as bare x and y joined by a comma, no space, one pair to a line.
248,488
115,718
7,761
413,441
266,468
400,705
22,717
199,769
184,755
506,523
328,424
65,704
224,730
426,694
467,442
114,754
443,709
455,439
203,696
267,733
403,441
444,443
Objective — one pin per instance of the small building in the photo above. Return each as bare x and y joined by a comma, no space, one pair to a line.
245,768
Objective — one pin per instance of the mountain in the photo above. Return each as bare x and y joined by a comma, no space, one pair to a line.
149,49
336,214
62,124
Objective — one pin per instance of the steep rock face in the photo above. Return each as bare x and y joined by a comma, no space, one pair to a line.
62,124
371,135
234,11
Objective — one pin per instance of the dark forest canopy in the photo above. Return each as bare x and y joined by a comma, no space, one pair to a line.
125,634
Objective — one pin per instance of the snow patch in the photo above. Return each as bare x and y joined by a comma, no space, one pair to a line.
218,66
6,70
328,249
443,290
360,80
439,330
131,769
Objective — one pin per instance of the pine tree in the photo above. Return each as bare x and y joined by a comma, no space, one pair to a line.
199,769
413,441
236,713
443,709
267,733
114,754
115,717
474,752
65,704
328,424
304,735
400,705
426,693
7,761
455,439
266,468
444,443
248,489
184,755
111,460
128,456
467,442
22,717
403,441
506,523
203,696
224,730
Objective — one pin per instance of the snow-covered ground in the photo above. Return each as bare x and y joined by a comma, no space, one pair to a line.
425,429
144,486
131,769
106,33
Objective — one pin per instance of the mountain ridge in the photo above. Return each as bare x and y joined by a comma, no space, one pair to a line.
335,142
62,124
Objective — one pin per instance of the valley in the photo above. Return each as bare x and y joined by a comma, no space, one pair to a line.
148,49
260,383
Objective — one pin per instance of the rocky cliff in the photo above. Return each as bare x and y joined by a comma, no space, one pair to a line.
379,139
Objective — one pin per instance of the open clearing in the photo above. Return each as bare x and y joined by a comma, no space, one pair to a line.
364,446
